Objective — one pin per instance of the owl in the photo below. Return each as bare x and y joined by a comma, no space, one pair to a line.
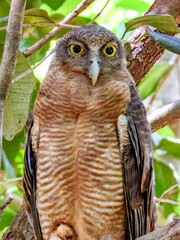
88,168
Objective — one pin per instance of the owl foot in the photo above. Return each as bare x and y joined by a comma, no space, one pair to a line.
63,232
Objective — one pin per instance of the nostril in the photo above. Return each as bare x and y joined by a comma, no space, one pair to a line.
98,62
91,62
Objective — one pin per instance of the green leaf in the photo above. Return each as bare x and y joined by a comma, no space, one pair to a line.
135,5
4,8
164,179
54,4
171,146
151,80
9,170
16,105
31,16
168,42
7,218
24,44
68,6
14,156
166,132
3,21
37,16
33,4
163,22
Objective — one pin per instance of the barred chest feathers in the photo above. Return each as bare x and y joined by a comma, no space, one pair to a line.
79,170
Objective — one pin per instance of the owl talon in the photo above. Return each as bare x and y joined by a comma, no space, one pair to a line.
63,232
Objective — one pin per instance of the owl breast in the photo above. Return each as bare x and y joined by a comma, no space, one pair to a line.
79,170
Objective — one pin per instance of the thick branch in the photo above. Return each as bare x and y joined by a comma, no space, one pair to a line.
164,116
13,34
20,228
168,232
7,67
166,7
80,8
142,56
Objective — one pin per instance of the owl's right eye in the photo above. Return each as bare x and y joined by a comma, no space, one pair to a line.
76,49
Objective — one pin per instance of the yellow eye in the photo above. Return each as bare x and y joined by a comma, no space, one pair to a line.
109,50
76,49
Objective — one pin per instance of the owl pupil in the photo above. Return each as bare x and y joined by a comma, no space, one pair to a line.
109,50
77,49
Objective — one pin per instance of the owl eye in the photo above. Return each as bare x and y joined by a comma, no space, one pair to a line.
76,49
109,50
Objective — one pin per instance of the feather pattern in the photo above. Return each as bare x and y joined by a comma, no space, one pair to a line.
29,184
136,153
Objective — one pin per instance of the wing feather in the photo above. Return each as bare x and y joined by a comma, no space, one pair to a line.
136,153
29,184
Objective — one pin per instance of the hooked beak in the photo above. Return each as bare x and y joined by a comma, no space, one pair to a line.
94,70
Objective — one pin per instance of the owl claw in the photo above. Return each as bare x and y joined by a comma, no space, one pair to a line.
63,232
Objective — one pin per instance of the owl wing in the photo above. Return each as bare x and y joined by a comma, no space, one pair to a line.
29,183
136,153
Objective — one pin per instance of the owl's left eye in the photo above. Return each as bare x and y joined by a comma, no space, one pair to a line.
76,49
109,50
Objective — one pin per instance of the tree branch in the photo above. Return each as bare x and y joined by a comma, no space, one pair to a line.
44,25
6,203
168,232
164,116
20,228
7,67
80,8
142,56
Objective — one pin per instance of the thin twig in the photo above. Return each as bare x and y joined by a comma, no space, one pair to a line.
80,8
165,192
99,13
45,25
5,204
168,201
11,180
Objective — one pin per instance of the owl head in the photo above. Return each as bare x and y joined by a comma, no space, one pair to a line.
91,49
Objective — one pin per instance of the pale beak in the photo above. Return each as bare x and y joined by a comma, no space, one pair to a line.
94,70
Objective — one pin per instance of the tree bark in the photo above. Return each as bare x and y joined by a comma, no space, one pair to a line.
168,232
20,228
164,116
141,57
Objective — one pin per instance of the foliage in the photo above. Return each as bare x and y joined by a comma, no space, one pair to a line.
161,22
166,145
148,85
170,43
16,106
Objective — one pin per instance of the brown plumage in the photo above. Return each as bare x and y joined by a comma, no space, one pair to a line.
88,163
